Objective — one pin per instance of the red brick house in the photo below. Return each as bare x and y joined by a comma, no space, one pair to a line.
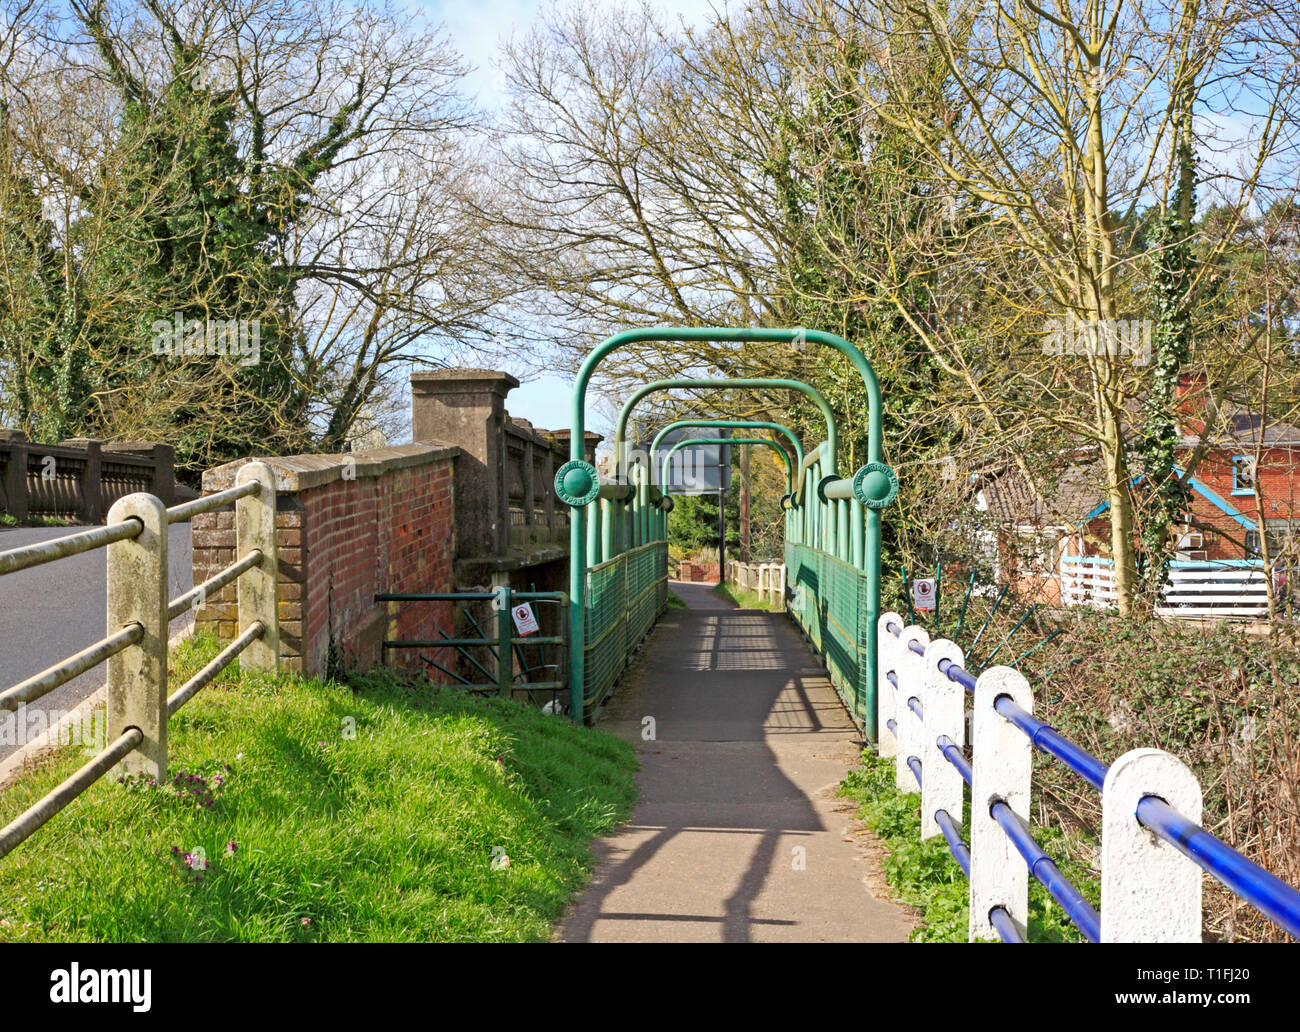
1052,545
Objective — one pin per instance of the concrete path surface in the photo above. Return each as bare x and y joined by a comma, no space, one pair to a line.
738,835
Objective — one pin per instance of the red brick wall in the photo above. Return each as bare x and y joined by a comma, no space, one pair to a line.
341,542
1279,480
698,572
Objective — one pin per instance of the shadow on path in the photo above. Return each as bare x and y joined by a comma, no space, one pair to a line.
738,835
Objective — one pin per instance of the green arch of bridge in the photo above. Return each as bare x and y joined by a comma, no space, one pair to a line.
578,483
809,391
776,446
729,424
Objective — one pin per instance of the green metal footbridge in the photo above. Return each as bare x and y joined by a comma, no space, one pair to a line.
619,526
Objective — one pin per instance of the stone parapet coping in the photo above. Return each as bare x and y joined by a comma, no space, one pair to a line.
303,472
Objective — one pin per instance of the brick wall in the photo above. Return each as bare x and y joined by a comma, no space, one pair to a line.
698,572
1279,481
348,527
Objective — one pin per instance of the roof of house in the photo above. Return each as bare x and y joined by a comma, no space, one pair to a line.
1066,494
1239,427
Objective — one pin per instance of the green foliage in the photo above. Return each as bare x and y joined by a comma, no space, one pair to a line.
387,810
693,523
925,875
745,599
1171,278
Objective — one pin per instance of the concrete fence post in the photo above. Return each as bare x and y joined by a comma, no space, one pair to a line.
258,592
1002,764
137,593
944,702
910,671
886,657
1150,892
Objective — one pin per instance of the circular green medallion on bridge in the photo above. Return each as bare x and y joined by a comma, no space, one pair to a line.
577,482
875,485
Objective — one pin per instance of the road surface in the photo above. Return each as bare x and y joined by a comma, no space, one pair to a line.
49,612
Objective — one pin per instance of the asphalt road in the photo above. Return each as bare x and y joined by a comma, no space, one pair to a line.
49,612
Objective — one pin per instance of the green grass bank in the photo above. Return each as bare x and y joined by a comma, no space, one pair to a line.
299,810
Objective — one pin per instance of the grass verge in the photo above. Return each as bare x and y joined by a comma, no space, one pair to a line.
744,598
925,875
388,809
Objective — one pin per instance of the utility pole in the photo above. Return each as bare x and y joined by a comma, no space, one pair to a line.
722,535
744,504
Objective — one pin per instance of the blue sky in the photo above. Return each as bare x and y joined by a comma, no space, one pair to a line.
477,30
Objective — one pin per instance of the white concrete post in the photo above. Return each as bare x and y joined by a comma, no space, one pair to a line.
1002,758
1150,892
910,670
886,652
258,588
137,593
944,702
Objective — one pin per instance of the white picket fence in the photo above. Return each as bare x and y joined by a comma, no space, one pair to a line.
1226,587
1087,580
1202,588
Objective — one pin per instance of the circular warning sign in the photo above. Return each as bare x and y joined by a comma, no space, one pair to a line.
923,594
525,621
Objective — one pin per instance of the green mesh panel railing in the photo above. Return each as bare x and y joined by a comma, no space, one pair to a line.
829,602
624,598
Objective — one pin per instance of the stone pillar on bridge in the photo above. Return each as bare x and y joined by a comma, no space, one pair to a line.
467,407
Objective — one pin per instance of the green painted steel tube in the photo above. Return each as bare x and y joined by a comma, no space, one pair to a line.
730,424
614,491
607,510
577,525
816,396
505,662
842,529
593,539
776,446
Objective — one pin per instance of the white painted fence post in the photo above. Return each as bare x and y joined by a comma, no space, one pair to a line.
1002,763
1150,892
910,670
944,703
886,651
258,588
137,593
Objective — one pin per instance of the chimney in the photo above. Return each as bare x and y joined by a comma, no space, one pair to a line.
1190,399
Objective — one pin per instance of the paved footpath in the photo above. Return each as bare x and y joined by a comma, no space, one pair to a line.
738,835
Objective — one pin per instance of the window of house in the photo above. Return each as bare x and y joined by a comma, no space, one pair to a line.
1243,474
1283,539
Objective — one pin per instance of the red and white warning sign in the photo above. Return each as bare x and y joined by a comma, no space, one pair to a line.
923,593
525,621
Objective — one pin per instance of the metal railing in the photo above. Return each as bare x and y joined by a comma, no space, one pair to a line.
1153,849
139,614
505,649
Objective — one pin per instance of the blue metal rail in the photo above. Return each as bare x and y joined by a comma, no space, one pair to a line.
1267,893
1003,925
1044,869
954,756
960,851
